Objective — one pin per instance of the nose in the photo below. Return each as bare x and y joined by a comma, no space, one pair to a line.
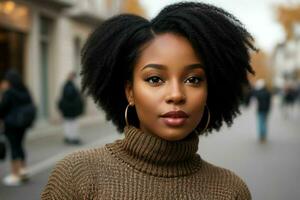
175,94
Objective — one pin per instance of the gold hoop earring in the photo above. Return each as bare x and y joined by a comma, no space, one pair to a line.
207,123
126,111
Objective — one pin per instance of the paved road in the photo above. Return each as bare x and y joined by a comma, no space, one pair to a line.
271,170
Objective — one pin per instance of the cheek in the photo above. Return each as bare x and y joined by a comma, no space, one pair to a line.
197,102
198,97
145,98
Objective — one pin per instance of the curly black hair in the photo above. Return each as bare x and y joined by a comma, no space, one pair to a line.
217,37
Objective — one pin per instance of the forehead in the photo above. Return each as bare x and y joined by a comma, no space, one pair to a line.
168,49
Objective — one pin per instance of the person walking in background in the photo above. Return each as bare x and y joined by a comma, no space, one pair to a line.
17,111
298,99
289,99
71,107
263,97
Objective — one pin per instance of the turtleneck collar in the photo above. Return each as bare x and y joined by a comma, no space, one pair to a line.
156,156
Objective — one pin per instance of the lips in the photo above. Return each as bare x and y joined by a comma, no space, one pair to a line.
174,118
175,114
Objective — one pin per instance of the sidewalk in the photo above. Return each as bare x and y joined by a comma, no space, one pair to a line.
43,128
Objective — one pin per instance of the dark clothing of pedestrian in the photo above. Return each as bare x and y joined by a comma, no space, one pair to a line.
70,104
290,95
15,137
12,100
71,107
263,97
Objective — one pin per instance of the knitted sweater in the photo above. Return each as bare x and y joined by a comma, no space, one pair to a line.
143,166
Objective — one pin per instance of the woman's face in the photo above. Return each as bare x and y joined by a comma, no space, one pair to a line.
169,87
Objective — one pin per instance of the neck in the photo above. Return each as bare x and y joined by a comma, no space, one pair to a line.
156,156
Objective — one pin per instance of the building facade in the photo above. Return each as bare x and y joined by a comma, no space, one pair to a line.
286,55
42,39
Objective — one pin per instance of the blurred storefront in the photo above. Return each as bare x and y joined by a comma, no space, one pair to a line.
261,64
42,40
286,56
14,26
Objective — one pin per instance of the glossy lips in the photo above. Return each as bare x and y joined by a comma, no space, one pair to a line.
174,118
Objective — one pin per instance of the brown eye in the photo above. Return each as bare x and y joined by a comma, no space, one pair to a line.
154,80
194,80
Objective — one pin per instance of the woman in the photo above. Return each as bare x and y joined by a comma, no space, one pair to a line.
177,76
14,96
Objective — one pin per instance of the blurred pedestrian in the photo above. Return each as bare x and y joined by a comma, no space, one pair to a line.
71,107
18,113
263,97
289,99
298,99
163,82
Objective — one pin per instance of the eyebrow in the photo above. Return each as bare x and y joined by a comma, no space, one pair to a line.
163,67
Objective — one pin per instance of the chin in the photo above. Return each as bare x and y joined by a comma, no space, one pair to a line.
174,135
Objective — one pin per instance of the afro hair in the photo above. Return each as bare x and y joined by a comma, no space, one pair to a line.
217,37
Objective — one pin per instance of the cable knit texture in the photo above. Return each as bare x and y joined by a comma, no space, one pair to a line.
143,166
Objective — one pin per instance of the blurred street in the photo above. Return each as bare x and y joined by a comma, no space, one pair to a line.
270,169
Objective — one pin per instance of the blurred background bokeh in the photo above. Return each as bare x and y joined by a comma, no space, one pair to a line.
42,40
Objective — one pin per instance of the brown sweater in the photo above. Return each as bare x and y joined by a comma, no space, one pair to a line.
143,166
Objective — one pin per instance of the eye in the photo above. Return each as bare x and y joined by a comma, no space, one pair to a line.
154,80
194,80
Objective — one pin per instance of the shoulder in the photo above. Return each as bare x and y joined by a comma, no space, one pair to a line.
85,159
226,180
75,172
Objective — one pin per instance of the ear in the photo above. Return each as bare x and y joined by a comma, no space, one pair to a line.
129,92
